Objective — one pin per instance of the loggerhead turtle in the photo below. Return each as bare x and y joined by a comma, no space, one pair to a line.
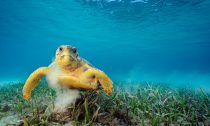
74,73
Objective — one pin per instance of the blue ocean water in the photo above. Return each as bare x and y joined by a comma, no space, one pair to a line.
164,41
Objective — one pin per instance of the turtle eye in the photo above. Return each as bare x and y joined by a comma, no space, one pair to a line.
74,50
60,49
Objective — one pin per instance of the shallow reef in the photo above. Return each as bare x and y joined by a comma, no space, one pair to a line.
143,104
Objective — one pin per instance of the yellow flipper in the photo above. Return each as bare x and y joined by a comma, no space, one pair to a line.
87,80
100,77
33,81
77,83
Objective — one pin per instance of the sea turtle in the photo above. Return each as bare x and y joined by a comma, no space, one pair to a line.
69,70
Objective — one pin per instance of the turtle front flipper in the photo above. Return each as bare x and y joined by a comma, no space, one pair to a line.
101,77
33,81
76,83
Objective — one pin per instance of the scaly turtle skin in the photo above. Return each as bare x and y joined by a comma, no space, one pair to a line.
74,73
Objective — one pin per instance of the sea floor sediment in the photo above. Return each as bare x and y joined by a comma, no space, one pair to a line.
140,105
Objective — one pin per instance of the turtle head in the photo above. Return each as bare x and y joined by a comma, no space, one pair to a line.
67,57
